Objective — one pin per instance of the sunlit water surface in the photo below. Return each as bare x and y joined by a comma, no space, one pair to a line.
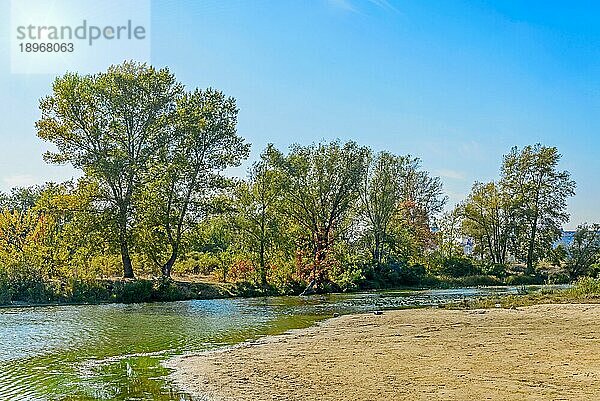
114,352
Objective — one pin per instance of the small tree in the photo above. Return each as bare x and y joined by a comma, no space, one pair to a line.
488,218
584,251
258,214
539,192
181,184
319,187
381,195
449,234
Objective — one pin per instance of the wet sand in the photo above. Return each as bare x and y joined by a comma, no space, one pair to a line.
544,352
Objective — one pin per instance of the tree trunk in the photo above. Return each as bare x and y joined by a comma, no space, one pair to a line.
263,269
309,288
126,259
168,267
377,252
531,245
123,237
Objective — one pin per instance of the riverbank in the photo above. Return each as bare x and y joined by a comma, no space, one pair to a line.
141,290
117,290
535,353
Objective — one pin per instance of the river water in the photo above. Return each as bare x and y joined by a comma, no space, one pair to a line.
114,352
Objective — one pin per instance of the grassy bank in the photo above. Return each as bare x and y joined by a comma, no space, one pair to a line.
585,290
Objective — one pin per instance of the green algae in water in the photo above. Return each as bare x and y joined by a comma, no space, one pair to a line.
114,352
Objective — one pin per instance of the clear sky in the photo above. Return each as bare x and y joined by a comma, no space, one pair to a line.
456,83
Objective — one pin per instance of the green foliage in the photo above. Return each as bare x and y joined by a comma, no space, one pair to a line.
494,269
538,194
111,125
488,218
584,251
5,288
186,176
132,291
87,291
458,266
585,287
319,189
330,216
398,204
558,277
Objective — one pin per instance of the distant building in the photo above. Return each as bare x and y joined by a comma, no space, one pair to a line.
467,245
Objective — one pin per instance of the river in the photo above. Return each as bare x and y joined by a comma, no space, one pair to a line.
114,352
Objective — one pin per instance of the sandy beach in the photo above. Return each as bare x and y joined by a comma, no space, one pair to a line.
544,352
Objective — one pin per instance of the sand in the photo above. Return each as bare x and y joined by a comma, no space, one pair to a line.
544,352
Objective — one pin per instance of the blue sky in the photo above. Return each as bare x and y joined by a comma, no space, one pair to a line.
455,83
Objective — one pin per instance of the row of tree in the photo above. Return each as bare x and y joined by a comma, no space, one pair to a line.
154,193
520,217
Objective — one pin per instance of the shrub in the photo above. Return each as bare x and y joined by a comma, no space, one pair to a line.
5,290
133,291
522,279
559,277
411,275
586,287
91,291
348,277
477,281
458,267
166,290
494,269
283,277
242,270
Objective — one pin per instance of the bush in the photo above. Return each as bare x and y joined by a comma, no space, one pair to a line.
494,269
88,291
5,290
133,291
167,290
411,275
349,277
197,263
522,279
431,281
458,267
478,281
395,274
559,277
242,270
586,287
282,276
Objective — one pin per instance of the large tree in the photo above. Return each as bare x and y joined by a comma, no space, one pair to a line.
111,125
584,251
449,233
187,176
488,219
539,193
381,195
320,188
258,213
398,203
422,195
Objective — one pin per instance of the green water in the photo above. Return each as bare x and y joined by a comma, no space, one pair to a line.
114,352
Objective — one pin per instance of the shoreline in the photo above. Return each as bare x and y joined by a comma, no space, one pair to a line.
184,288
535,352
